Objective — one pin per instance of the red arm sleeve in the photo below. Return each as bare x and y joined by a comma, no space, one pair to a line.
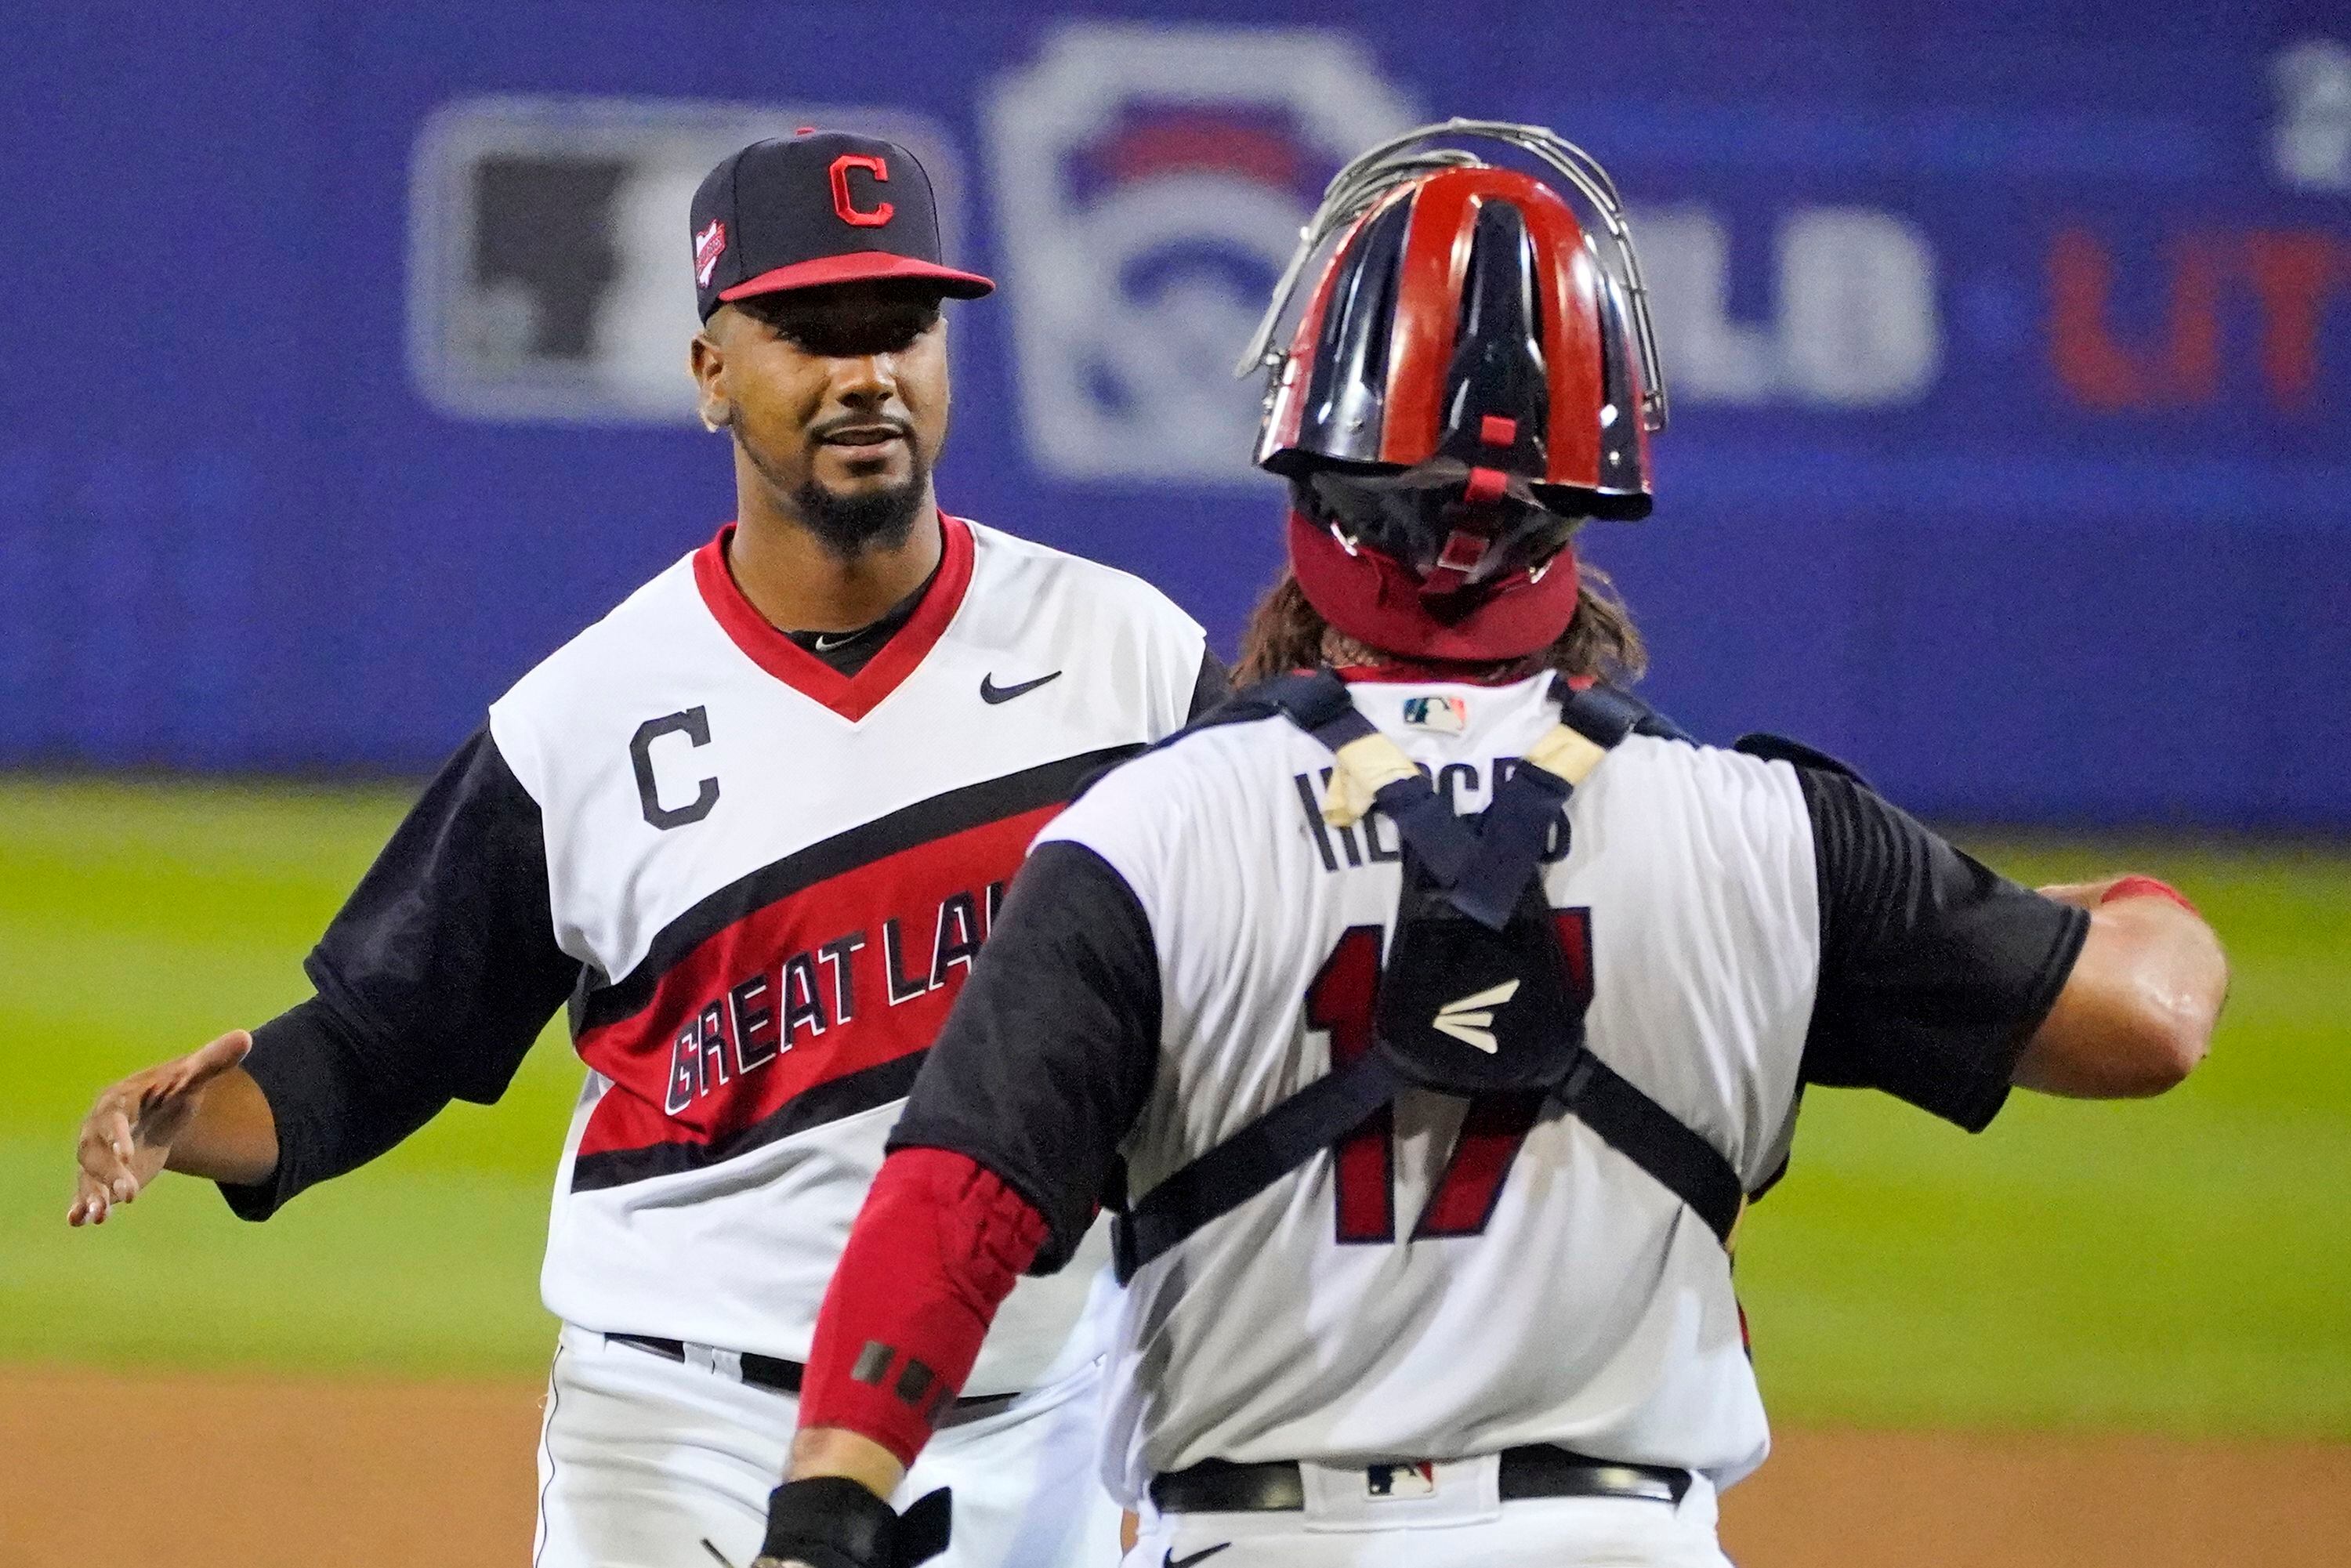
934,1253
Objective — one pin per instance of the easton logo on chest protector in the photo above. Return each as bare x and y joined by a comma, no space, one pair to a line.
1469,1020
1475,960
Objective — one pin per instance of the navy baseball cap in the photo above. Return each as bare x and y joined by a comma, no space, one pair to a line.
823,206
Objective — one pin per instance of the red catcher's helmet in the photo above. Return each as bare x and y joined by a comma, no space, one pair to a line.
1468,382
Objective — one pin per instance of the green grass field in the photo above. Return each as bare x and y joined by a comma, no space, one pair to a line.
2180,1266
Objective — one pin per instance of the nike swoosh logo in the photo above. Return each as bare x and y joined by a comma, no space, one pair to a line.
1172,1561
989,692
826,645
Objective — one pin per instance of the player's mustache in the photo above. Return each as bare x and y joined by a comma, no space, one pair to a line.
828,429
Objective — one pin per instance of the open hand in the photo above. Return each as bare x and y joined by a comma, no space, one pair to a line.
127,1137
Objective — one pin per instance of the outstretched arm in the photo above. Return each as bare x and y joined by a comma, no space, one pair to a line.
433,982
1947,985
2137,1011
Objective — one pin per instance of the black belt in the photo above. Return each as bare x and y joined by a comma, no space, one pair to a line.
781,1377
1217,1486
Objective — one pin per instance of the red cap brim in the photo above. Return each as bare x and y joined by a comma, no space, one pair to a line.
859,267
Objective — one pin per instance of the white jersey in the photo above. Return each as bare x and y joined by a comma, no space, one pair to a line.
1382,1303
1191,944
760,882
770,970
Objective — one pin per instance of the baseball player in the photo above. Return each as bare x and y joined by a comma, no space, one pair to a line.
753,827
1432,1011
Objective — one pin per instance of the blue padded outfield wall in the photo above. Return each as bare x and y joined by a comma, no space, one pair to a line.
2011,348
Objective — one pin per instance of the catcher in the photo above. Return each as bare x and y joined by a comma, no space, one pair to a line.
1432,1011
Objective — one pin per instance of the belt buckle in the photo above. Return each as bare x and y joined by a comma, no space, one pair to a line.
726,1364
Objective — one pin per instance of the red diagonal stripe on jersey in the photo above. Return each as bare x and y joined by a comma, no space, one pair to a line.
751,1073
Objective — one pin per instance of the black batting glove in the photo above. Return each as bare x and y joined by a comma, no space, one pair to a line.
831,1521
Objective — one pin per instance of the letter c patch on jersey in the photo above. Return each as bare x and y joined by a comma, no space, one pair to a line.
694,724
871,217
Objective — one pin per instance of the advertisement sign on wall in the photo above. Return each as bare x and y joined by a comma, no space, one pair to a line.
2012,358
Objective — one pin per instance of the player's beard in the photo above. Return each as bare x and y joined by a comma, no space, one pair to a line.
850,525
870,519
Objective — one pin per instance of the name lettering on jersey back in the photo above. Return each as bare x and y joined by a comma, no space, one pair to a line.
1373,841
806,994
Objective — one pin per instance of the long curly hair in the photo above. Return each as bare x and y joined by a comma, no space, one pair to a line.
1600,642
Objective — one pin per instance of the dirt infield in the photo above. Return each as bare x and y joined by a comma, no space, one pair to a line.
249,1473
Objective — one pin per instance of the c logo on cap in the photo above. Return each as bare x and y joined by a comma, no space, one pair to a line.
864,218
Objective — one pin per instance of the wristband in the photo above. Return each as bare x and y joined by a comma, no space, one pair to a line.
2147,887
831,1521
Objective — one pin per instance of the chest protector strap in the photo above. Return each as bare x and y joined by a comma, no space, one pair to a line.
1476,995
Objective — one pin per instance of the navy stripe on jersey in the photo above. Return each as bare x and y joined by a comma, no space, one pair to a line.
1052,1048
941,815
433,982
1935,969
832,1101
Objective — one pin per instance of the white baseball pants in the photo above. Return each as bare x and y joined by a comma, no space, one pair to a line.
1459,1526
640,1459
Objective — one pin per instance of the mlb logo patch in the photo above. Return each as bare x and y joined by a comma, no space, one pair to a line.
1394,1483
1446,715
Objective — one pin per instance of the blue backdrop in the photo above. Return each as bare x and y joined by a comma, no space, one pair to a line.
2009,353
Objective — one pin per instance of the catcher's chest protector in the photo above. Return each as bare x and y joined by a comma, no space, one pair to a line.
1475,998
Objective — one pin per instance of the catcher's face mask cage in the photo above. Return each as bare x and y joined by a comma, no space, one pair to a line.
1467,382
